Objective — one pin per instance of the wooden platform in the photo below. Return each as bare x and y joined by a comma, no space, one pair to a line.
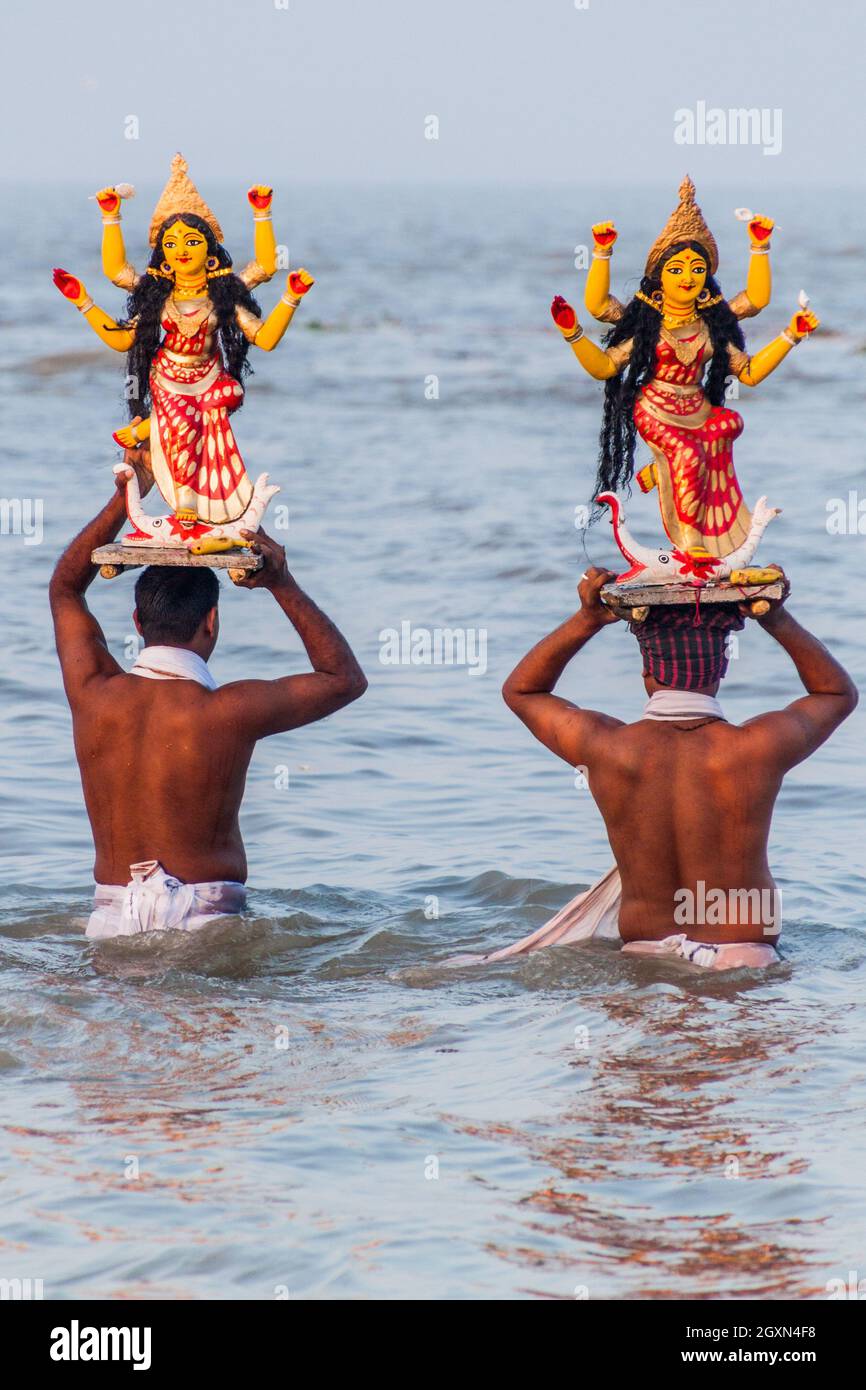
634,600
114,559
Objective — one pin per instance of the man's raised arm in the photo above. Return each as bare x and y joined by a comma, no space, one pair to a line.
263,707
788,736
562,727
80,640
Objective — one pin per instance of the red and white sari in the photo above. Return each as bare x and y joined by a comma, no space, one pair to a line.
195,458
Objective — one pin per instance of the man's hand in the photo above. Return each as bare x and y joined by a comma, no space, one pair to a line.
776,604
274,573
589,589
137,461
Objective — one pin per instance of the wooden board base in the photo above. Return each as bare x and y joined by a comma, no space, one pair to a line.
114,559
635,600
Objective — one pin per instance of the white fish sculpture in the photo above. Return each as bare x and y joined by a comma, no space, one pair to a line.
167,530
677,566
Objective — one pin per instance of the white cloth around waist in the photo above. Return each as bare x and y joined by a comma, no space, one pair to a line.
594,913
156,901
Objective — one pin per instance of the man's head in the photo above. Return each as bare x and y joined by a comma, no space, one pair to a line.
176,606
686,648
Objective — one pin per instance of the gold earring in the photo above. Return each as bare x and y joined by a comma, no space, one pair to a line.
213,263
167,270
656,301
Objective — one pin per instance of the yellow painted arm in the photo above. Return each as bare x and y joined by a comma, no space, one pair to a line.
758,368
260,197
103,325
278,320
759,282
596,294
593,359
765,361
115,266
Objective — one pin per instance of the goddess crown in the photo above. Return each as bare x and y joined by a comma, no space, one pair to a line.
180,195
686,223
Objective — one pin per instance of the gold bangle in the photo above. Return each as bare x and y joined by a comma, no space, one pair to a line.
263,217
574,336
602,255
292,303
759,250
85,306
112,220
789,337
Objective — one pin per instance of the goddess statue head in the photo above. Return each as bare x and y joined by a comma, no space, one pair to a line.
187,247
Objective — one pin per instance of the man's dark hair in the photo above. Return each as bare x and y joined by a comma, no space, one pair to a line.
172,600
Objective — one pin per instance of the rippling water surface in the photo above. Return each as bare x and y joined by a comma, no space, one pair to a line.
305,1101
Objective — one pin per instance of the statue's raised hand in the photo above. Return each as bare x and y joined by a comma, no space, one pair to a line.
803,323
760,231
298,282
260,197
109,201
564,316
69,286
604,234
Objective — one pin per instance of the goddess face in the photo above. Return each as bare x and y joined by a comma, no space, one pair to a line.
683,277
185,250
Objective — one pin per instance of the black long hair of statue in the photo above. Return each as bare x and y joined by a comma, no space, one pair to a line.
643,323
146,302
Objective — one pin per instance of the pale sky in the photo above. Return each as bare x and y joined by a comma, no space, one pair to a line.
524,90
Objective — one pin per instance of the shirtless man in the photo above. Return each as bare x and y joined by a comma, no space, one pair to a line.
164,759
685,800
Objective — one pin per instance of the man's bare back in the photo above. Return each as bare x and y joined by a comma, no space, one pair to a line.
683,804
164,761
163,767
686,803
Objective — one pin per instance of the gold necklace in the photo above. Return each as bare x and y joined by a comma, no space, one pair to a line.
189,324
674,321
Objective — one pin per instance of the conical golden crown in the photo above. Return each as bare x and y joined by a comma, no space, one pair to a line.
180,195
686,223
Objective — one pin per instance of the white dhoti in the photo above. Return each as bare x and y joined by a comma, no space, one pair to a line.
594,913
156,901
